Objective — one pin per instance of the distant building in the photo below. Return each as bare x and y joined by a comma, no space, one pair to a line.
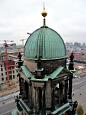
12,70
45,82
8,57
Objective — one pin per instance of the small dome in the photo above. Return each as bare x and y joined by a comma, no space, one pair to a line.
44,43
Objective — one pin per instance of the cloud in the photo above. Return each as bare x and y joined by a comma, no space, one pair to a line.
21,16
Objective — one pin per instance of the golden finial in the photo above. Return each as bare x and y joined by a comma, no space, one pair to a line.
44,13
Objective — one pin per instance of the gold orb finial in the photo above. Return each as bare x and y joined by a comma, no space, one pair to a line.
44,13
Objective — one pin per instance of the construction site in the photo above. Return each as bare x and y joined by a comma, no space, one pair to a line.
9,81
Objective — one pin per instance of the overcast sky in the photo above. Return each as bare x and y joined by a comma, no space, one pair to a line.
67,17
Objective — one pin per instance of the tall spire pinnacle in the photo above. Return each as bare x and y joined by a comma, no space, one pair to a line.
44,14
43,5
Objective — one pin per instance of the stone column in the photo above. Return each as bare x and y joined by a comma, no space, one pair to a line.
44,101
61,92
66,90
26,89
70,86
21,84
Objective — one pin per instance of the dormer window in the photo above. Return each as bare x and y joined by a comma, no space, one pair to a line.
39,73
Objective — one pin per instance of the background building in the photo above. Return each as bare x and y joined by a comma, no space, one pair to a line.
12,70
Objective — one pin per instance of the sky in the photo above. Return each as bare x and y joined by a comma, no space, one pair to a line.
67,17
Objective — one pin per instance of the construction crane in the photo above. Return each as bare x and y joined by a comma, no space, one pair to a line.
22,40
6,45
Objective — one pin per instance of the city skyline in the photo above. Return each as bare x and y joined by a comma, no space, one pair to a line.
66,17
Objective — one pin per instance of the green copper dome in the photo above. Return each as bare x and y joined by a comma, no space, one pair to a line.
44,43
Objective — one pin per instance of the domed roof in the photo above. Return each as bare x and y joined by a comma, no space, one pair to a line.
44,43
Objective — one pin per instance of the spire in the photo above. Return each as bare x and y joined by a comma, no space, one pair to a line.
44,14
